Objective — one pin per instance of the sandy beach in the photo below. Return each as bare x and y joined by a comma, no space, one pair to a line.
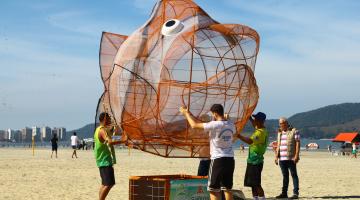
24,176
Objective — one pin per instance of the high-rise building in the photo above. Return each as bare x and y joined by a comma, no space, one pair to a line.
26,134
56,131
2,135
6,135
46,134
11,134
36,133
62,133
16,135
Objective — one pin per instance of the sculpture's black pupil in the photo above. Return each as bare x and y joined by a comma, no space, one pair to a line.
170,23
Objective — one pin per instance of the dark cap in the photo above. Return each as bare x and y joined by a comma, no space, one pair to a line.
260,116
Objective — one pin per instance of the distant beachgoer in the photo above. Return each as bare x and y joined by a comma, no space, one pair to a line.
329,148
86,145
83,144
354,151
222,165
104,155
258,142
343,149
74,143
287,152
54,145
242,148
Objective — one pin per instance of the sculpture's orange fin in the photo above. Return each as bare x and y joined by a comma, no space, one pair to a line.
109,45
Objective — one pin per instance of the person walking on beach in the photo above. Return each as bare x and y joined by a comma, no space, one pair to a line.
287,156
74,142
54,145
329,148
222,165
242,148
83,144
354,151
105,154
343,149
257,146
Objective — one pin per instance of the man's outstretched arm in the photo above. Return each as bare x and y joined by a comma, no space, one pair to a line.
107,138
191,119
244,139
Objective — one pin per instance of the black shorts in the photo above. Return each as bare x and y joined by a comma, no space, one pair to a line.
54,147
203,169
73,146
107,175
253,175
221,174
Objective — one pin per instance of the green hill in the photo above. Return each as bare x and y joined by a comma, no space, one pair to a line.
324,122
328,116
85,132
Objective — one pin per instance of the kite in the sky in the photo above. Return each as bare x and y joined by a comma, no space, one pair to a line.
179,57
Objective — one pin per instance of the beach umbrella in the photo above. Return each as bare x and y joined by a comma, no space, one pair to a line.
312,146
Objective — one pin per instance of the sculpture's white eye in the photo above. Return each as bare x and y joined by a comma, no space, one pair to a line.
172,27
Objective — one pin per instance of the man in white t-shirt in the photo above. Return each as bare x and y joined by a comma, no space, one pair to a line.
222,164
74,141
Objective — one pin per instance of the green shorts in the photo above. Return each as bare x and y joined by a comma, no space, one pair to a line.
354,151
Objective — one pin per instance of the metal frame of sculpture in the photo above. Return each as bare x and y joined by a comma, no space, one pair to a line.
180,56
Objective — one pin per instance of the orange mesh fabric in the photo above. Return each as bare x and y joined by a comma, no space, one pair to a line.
179,57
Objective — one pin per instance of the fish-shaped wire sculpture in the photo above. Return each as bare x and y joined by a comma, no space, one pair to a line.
179,57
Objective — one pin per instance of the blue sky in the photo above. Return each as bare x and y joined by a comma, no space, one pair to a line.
309,54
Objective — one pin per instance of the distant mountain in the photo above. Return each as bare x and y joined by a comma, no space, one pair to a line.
324,122
328,116
84,132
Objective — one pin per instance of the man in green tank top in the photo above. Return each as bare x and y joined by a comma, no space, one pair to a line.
258,142
105,155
